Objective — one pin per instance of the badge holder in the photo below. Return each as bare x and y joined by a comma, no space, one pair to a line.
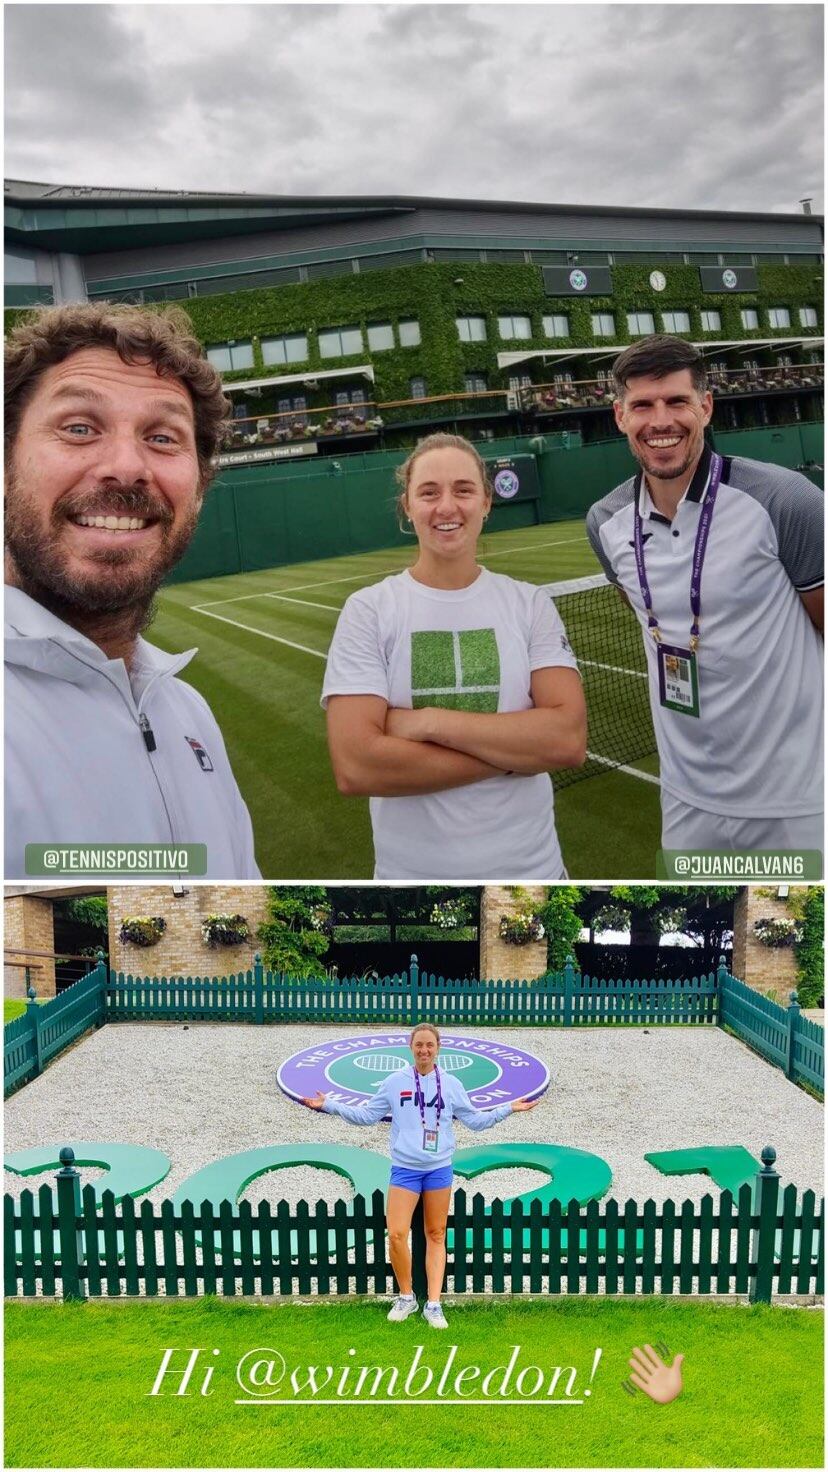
430,1141
678,679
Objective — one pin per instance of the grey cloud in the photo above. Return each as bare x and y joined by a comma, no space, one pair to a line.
688,106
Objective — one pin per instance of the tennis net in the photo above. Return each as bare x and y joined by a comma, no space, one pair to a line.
607,642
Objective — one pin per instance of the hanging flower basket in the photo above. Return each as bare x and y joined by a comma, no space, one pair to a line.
448,914
519,930
778,933
142,930
225,930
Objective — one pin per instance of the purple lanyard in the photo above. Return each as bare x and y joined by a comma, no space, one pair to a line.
420,1097
702,532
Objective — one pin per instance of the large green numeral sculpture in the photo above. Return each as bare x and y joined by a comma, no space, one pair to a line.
226,1179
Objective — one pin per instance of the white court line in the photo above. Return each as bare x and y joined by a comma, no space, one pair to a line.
367,576
222,618
619,767
615,669
303,648
305,602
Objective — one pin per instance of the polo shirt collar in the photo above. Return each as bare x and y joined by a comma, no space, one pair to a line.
37,638
696,490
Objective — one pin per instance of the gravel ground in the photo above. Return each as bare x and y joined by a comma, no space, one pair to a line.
209,1089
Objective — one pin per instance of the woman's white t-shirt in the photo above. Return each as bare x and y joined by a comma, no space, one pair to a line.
471,649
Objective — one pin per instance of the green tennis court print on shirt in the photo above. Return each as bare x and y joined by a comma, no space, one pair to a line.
459,671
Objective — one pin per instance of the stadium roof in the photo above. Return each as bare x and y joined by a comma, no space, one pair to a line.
81,216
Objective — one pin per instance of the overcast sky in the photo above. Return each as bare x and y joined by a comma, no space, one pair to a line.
696,106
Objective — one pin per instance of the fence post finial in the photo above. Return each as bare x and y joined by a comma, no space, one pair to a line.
68,1215
764,1238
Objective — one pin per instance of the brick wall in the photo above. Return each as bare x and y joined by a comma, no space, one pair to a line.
770,969
498,960
181,950
28,926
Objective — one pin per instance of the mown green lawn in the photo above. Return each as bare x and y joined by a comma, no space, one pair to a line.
78,1379
16,1007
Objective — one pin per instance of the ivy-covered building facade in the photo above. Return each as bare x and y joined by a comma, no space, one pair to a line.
355,322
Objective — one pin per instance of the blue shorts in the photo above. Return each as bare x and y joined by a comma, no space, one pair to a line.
422,1180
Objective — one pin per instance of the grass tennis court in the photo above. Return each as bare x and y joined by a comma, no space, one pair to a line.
263,638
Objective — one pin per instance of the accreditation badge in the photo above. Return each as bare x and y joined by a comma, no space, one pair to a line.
430,1141
678,679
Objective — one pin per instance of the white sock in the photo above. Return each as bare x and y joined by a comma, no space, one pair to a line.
407,1297
433,1303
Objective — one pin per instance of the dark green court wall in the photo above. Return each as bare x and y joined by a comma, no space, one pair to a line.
259,516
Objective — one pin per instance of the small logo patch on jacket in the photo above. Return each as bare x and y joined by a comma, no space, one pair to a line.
200,754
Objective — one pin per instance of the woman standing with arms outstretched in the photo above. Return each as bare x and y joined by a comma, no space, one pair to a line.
422,1103
451,692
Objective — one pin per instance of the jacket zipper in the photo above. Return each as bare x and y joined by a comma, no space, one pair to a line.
147,732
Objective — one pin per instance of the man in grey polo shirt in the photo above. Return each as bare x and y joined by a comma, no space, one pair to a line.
722,563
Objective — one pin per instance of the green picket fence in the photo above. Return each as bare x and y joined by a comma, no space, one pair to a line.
563,998
559,999
30,1041
757,1244
781,1034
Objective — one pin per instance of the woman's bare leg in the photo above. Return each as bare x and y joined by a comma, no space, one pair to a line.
399,1212
435,1214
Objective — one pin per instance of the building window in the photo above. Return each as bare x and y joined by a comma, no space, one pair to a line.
515,327
711,321
675,321
417,388
603,324
640,324
293,349
380,336
227,356
475,383
779,317
471,329
807,317
518,381
557,325
750,318
348,397
296,406
339,342
409,330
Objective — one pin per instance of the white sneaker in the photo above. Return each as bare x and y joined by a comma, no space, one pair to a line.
402,1308
433,1315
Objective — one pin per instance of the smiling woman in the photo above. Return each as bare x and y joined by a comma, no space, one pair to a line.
451,691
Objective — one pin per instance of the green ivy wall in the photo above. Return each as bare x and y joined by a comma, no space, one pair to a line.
428,293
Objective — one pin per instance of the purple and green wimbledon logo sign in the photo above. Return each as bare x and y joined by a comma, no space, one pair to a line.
352,1068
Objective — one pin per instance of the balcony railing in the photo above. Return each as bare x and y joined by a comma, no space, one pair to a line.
564,394
328,422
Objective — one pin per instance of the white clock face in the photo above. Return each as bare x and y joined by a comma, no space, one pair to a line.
658,280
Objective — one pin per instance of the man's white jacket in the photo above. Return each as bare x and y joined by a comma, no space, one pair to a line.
95,754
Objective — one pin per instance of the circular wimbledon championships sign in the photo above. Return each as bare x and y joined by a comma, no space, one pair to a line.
578,280
352,1068
506,484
